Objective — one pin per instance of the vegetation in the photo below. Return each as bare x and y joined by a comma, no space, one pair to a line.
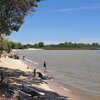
13,12
7,46
72,46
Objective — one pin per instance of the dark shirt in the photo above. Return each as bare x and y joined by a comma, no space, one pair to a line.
44,64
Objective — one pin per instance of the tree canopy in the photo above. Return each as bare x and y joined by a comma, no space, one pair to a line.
12,13
6,45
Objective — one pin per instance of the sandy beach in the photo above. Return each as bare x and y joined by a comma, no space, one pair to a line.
27,49
14,65
49,85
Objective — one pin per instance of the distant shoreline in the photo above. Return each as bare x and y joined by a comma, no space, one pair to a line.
52,49
27,49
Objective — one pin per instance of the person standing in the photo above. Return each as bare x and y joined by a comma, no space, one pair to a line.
34,72
44,65
23,57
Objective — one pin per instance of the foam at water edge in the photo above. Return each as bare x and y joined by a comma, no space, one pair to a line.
31,61
65,89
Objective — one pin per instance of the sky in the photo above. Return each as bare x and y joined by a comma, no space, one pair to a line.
57,21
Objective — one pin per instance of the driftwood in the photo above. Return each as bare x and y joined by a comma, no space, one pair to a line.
31,91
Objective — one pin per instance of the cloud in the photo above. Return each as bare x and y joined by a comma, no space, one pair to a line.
96,6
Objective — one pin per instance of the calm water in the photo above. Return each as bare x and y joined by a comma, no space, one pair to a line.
75,69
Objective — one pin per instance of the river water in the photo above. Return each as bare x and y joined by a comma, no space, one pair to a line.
77,70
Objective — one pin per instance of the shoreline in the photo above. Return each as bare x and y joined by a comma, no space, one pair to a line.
51,84
75,90
50,49
26,49
58,88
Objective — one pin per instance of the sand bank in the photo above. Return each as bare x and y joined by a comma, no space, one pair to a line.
14,64
18,64
27,49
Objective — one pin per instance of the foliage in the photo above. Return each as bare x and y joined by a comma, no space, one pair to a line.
4,45
60,46
13,12
72,46
40,44
7,46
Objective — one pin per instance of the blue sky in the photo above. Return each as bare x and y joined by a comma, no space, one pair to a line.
58,21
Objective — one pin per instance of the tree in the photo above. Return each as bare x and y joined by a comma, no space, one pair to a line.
5,45
95,44
35,45
11,44
1,45
13,12
40,44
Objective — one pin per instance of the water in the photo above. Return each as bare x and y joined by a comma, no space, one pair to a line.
78,70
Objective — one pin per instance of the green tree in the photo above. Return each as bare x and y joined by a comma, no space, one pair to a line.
95,44
13,12
11,44
35,45
40,44
1,45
